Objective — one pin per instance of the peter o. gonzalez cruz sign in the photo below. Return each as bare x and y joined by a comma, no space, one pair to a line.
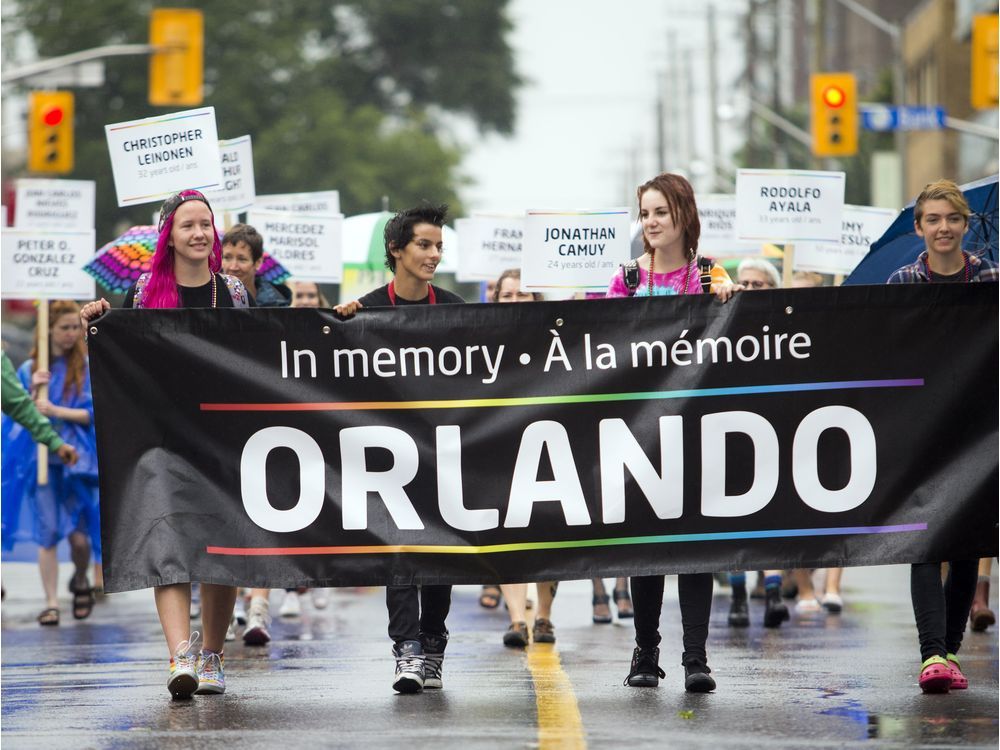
567,250
789,205
157,156
55,204
46,264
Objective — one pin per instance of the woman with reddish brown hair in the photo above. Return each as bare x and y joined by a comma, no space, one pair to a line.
67,506
670,266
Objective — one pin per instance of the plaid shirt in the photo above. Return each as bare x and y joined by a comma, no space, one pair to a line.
916,273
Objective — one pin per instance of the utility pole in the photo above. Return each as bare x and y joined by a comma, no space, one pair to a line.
780,147
713,97
661,136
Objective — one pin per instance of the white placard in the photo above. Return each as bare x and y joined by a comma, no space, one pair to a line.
47,264
489,245
717,213
779,205
566,250
158,156
862,225
310,247
238,191
323,203
55,204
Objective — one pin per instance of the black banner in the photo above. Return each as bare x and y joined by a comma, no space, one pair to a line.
553,440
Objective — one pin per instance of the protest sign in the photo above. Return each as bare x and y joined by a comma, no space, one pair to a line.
862,225
566,250
47,264
784,206
489,245
158,156
717,214
322,203
238,190
547,441
310,247
55,204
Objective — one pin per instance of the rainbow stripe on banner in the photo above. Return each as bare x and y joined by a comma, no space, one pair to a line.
591,398
441,549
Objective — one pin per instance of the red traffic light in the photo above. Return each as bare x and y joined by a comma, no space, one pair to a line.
52,116
834,96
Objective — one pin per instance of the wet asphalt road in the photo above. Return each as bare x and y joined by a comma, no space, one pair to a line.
324,681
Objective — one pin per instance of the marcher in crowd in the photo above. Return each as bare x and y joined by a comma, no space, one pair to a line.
670,266
307,294
941,218
67,505
185,273
242,254
413,248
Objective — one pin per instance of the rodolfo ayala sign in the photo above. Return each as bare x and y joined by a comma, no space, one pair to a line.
567,251
789,205
157,156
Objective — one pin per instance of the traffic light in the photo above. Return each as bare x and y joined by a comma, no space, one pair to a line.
834,105
50,132
984,61
176,73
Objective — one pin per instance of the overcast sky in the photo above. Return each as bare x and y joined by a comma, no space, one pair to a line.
585,133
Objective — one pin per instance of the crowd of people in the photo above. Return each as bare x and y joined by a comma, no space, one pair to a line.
193,267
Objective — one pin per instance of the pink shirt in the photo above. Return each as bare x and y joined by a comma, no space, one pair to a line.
664,284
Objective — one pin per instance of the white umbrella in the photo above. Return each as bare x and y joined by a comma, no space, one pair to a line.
364,243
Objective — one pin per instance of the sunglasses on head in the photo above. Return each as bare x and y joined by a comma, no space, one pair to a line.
174,202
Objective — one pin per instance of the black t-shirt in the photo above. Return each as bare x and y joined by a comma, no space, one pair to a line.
197,296
939,278
380,298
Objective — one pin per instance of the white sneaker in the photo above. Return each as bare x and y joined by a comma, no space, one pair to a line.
258,622
231,632
320,598
290,605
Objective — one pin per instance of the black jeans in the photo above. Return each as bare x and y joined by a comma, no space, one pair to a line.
695,593
941,611
417,613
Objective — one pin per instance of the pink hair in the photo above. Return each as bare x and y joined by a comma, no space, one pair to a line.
161,291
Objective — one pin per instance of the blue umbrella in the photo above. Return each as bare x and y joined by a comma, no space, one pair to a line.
900,245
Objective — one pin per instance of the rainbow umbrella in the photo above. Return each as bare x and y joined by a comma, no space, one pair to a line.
118,264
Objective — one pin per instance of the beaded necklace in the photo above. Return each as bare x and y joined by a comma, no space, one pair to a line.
967,267
652,265
215,296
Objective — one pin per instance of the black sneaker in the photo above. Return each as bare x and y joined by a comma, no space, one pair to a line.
645,671
739,612
409,667
775,610
433,667
696,677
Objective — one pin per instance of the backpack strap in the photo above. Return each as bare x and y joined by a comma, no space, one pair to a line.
630,275
705,273
140,289
236,290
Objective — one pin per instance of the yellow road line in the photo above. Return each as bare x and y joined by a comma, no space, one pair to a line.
559,722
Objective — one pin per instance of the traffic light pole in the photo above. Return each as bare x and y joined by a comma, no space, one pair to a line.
75,58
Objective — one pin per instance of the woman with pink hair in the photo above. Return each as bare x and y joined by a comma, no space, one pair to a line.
185,273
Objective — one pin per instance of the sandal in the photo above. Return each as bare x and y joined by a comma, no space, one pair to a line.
602,617
489,597
624,604
935,675
49,616
83,602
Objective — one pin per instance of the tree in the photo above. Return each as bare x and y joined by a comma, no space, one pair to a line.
342,95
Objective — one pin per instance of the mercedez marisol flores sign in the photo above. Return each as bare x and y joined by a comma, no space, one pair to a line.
554,440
